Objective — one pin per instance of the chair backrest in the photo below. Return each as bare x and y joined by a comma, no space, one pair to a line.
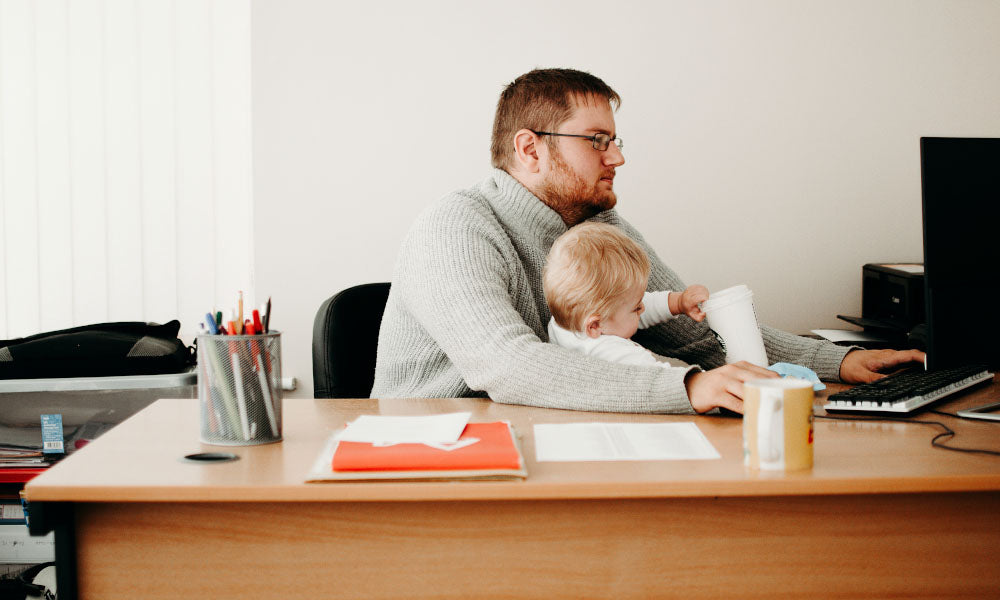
345,338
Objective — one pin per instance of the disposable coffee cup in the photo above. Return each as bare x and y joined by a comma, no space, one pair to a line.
731,316
778,424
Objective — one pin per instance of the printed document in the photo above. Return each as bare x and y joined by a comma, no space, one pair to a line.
621,441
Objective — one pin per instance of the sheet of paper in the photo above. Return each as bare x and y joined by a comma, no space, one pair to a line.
908,268
843,335
430,429
621,441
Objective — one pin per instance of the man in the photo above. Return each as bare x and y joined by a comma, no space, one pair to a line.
466,314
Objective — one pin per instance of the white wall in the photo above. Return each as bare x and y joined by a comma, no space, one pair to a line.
772,143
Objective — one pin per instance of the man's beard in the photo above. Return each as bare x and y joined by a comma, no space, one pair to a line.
573,198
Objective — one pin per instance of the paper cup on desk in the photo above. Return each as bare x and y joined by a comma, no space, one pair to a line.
778,424
731,316
239,388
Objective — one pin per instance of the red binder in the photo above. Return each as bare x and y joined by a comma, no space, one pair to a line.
481,446
483,451
20,475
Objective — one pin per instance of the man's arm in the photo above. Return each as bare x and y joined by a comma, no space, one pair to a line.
821,356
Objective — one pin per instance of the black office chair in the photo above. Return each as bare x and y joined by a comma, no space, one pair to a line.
345,338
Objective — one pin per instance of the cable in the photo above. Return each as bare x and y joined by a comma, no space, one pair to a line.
947,433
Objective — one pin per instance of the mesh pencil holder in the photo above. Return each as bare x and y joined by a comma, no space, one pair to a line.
239,388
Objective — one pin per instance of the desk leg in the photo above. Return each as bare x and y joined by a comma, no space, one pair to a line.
44,517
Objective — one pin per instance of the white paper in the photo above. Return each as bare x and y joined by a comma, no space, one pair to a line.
843,335
430,429
621,441
907,268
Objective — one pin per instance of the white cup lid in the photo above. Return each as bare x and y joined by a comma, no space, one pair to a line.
726,297
783,383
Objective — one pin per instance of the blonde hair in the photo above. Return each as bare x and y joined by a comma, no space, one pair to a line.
588,269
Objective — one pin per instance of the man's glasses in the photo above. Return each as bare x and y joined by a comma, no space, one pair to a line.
601,141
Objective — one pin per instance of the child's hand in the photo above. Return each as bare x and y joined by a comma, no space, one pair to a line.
689,300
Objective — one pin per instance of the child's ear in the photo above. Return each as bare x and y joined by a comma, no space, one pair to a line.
592,326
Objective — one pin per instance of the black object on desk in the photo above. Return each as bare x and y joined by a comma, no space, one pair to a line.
892,299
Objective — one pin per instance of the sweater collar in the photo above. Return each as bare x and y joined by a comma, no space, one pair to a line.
514,204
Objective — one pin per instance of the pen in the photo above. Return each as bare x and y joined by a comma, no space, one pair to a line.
241,398
267,316
231,422
265,389
210,323
256,321
239,314
262,377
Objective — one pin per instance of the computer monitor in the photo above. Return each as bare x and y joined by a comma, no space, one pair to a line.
961,214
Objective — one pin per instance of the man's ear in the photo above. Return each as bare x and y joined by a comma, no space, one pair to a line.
526,148
592,326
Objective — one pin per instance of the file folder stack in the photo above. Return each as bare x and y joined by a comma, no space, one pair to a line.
483,451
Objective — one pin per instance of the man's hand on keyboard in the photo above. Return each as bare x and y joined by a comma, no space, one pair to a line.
864,366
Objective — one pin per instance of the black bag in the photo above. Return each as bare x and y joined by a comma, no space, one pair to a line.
101,350
23,585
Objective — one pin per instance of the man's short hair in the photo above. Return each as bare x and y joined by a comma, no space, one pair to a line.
541,100
588,270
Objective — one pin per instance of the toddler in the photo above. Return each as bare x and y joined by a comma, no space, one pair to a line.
595,282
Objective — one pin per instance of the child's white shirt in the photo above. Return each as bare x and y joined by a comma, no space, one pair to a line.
611,347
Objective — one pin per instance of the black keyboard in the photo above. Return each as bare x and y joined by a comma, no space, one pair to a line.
907,391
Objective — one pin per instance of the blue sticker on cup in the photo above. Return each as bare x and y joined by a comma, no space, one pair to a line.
52,435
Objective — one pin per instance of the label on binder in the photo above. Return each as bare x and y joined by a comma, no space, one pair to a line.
52,434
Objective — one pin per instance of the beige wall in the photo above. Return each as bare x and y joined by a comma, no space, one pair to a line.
772,143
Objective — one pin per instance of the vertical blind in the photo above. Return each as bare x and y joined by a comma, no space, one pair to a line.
125,161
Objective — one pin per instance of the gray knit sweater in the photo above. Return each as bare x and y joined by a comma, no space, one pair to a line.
466,316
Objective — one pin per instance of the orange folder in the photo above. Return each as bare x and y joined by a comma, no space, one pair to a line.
495,449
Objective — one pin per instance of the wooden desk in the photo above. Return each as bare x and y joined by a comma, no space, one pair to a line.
882,514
